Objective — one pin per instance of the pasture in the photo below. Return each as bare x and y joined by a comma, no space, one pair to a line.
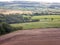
47,21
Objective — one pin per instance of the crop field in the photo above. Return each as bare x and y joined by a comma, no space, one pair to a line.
49,21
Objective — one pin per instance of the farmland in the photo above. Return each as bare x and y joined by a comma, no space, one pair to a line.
28,15
29,23
47,21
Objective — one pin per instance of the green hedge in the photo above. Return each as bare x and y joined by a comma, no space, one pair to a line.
5,28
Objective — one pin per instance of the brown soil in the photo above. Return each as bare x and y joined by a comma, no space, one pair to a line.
50,36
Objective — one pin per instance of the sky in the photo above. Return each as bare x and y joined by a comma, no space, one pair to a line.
35,0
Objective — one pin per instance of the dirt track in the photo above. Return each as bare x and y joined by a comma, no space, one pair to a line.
50,36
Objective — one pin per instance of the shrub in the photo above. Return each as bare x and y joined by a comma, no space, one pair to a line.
5,28
35,20
2,31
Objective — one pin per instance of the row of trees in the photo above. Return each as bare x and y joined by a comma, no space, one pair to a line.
16,18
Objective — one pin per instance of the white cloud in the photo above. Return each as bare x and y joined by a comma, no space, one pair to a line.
36,0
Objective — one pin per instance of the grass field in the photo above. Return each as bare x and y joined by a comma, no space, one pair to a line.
41,24
34,25
46,16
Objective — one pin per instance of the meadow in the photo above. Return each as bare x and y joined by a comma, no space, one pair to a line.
46,21
46,16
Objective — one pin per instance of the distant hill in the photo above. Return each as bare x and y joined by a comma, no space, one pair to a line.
28,7
27,4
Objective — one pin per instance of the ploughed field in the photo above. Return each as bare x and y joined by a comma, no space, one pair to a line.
49,36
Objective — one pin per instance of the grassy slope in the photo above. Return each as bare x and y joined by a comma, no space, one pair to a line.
42,24
33,25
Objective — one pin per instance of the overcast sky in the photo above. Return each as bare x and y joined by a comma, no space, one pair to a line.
36,0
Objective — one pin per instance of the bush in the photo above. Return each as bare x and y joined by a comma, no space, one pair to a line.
35,20
2,31
5,28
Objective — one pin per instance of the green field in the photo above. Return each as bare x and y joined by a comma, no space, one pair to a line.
46,16
45,22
